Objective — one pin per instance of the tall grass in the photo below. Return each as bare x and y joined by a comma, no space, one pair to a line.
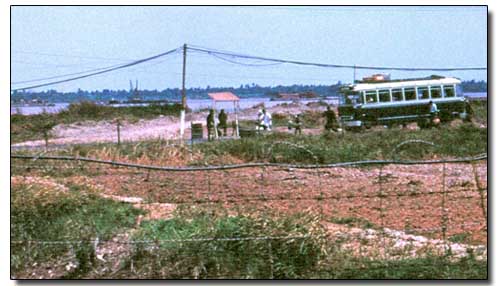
280,258
326,148
314,257
331,148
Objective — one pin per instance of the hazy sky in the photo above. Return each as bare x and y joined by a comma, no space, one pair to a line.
51,41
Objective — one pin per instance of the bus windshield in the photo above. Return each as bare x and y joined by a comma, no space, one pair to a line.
352,97
460,92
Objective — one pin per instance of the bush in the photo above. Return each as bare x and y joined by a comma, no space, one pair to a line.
87,109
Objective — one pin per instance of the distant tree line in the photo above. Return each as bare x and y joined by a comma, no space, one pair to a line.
174,94
475,86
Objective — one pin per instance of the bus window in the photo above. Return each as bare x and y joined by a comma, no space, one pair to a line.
449,91
397,94
371,96
352,98
436,91
384,96
423,92
410,93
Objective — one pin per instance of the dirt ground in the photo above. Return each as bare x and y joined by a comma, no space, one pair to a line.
419,199
408,198
395,212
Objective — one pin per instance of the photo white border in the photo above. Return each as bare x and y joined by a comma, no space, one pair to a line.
5,121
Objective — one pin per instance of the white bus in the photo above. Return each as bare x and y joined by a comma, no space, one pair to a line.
391,102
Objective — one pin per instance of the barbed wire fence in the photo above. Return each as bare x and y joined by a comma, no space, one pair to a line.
397,218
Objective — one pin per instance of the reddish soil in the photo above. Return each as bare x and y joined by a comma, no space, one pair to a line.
409,198
393,213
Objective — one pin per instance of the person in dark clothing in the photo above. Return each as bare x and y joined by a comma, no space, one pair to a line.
295,123
331,119
222,122
469,111
210,124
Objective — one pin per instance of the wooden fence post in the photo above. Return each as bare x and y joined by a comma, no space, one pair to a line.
118,123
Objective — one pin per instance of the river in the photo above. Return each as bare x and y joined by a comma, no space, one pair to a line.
194,104
197,104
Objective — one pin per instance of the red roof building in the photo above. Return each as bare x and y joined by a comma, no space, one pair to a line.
223,96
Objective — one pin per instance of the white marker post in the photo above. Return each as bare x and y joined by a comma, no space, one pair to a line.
183,119
184,104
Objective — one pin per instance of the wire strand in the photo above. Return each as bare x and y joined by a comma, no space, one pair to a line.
102,71
215,52
64,75
251,165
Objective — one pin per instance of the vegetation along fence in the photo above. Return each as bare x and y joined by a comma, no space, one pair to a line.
366,219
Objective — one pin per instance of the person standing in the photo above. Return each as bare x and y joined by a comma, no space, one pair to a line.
267,120
222,122
331,119
210,124
297,124
260,120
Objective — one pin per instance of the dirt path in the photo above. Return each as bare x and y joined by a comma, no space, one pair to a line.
162,127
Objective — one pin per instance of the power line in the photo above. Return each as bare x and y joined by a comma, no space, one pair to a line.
222,55
239,77
244,64
102,71
45,64
72,56
214,53
87,71
63,75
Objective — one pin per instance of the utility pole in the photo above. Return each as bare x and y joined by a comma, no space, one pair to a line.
184,103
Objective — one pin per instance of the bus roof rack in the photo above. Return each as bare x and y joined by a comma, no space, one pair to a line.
399,80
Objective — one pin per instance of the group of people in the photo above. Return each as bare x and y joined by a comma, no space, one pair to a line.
221,125
264,122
